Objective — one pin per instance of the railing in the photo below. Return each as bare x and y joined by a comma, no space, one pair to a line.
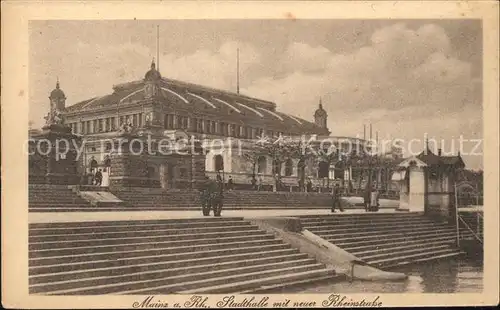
476,235
460,220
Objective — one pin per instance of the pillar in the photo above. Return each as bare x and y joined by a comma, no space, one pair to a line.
128,169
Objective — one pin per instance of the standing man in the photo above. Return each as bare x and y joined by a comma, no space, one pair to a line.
98,178
366,198
259,185
230,183
374,204
218,198
254,183
205,196
309,185
336,195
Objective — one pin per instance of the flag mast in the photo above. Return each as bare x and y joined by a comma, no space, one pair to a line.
158,47
238,70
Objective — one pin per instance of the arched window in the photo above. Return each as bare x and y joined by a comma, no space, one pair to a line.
261,164
218,162
288,168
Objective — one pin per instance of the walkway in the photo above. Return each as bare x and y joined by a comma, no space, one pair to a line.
53,217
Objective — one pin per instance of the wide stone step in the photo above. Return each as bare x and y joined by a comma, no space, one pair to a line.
377,255
191,281
152,243
363,219
207,241
119,231
396,242
54,275
272,282
278,287
156,255
361,215
142,273
413,258
343,240
115,248
328,234
131,223
76,268
369,229
363,223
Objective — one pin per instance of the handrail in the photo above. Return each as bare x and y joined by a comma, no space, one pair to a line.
470,229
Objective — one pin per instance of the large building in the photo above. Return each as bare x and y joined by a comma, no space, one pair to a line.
164,107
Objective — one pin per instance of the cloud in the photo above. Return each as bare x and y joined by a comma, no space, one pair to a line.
403,80
215,69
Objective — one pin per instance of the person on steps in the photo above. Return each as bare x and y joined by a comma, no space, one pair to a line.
374,203
98,178
366,198
336,195
217,198
205,196
230,183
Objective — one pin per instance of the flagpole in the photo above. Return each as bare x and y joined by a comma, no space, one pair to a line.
158,47
238,71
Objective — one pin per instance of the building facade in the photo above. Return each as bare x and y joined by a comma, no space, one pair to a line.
226,124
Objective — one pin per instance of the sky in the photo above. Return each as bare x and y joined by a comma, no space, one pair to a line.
410,79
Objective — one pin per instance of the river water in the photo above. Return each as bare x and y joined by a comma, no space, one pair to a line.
446,276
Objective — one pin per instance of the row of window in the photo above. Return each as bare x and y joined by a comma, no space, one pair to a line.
207,126
172,121
106,124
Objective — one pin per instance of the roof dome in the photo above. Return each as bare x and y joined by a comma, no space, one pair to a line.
320,110
57,93
152,74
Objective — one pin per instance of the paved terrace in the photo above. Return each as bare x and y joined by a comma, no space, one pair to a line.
53,217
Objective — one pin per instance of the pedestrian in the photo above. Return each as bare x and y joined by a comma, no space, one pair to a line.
366,199
205,197
309,185
336,195
259,185
218,199
98,178
219,178
230,183
254,183
374,203
301,185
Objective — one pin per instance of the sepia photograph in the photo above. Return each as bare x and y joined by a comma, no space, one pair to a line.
256,158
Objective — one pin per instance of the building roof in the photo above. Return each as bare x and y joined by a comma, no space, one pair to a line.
57,93
431,159
200,100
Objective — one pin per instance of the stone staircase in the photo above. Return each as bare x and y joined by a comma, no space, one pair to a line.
44,198
189,200
386,240
237,199
199,255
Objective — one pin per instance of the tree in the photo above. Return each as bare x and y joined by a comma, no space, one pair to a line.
252,156
329,156
302,152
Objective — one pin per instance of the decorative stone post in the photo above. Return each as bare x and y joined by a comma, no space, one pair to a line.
129,163
54,158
